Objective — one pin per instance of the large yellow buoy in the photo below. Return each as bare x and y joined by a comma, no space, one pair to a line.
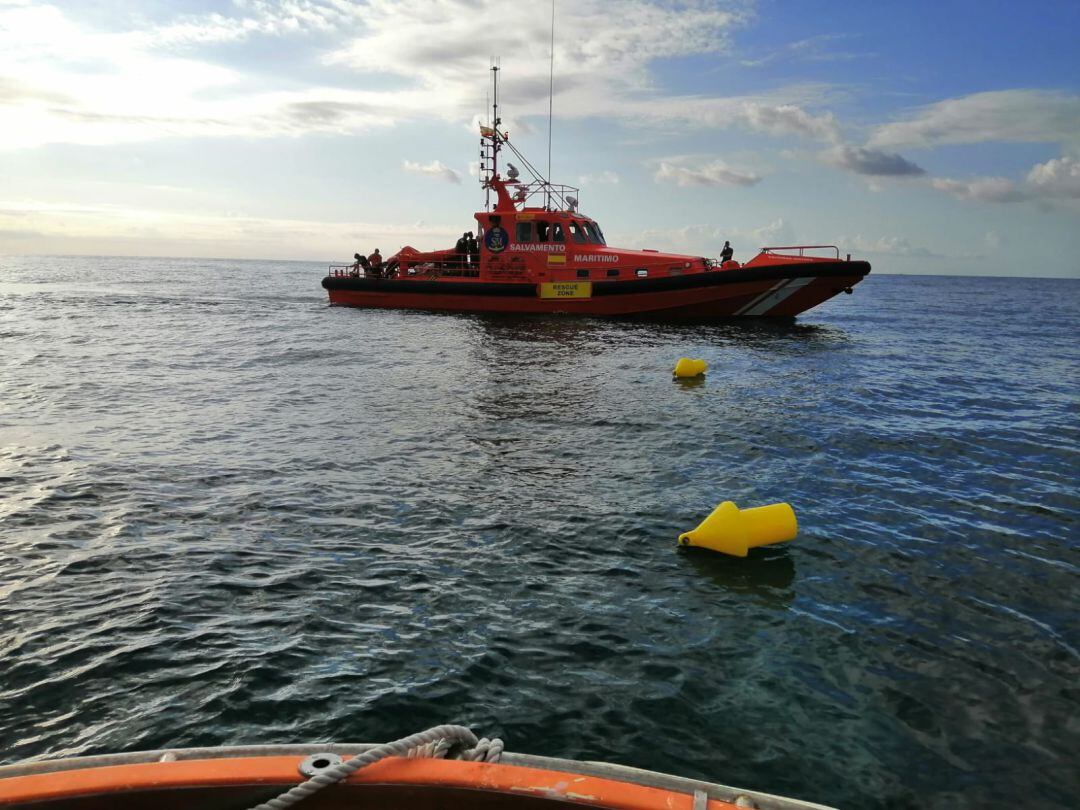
687,367
730,530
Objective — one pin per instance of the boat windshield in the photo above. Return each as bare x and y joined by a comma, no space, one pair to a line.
577,233
596,236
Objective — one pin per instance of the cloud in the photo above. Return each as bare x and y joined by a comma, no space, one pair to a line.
606,177
709,239
1023,116
787,119
1046,183
715,173
1056,178
326,112
874,162
14,91
434,169
981,189
820,48
118,230
607,43
900,246
66,83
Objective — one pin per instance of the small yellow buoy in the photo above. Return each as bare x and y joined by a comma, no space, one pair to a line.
731,531
687,367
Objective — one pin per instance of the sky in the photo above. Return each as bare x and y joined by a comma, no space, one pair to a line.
927,137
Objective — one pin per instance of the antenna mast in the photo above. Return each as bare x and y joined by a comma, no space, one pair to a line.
489,153
551,93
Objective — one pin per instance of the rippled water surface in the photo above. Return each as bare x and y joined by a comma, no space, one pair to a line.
232,514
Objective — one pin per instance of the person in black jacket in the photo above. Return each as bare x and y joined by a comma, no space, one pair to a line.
473,249
461,249
726,253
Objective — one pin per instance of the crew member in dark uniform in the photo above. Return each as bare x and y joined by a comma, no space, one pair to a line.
473,248
461,249
726,253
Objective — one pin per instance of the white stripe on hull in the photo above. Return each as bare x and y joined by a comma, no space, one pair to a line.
762,297
775,296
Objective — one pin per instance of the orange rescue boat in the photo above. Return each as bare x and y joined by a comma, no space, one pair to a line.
537,253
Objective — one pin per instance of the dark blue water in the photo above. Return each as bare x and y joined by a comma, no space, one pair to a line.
231,514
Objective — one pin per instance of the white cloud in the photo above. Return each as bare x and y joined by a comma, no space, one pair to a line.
147,83
36,227
445,46
890,245
709,239
1032,116
981,189
788,119
606,177
1056,178
434,169
820,48
66,83
715,173
1046,183
899,246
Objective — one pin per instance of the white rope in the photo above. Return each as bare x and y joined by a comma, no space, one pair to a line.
435,742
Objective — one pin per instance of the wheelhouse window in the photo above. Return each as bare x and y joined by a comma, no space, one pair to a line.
557,234
543,231
593,231
524,232
577,233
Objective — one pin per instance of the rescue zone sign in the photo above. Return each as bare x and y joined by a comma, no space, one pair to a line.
566,289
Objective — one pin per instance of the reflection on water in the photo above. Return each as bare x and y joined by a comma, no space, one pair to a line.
690,383
766,574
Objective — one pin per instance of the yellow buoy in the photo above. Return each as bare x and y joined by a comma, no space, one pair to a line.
687,367
731,531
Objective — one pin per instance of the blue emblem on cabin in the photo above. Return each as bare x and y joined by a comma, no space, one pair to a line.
496,239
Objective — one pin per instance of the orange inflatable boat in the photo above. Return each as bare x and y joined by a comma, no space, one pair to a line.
445,768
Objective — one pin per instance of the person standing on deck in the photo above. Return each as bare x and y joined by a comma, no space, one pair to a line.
375,261
726,253
473,248
461,250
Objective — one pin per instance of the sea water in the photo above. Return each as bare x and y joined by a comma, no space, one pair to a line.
230,513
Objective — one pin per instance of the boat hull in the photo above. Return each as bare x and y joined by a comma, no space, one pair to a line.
770,291
231,778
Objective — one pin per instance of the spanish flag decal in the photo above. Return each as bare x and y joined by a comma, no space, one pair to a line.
554,259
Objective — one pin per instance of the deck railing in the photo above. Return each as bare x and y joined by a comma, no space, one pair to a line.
783,249
425,268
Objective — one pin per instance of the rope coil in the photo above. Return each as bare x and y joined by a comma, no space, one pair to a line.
435,743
